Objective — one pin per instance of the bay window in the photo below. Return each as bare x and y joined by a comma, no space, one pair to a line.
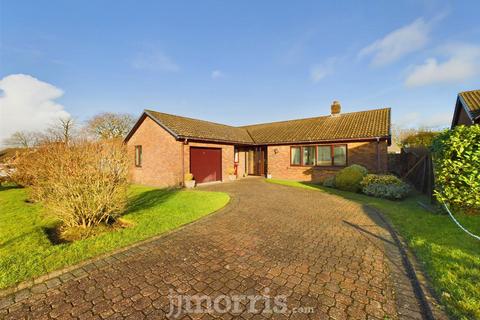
330,155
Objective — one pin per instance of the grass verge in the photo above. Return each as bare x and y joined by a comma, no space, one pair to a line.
450,257
26,252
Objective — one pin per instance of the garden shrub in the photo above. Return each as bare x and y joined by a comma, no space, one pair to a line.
384,186
349,178
82,183
456,155
329,182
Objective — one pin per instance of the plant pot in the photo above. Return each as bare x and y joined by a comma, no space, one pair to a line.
269,176
232,177
190,184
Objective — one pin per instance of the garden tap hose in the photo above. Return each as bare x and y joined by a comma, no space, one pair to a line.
458,224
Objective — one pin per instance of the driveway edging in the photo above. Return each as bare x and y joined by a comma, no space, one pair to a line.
431,307
24,289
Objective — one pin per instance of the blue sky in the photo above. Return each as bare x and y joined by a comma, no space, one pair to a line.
236,62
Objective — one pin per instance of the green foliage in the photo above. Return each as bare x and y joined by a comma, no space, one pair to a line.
457,167
26,252
188,177
384,186
349,178
422,138
329,182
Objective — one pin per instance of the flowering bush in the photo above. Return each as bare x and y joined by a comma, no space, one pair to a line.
384,186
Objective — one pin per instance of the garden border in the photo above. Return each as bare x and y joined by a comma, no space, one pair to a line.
24,289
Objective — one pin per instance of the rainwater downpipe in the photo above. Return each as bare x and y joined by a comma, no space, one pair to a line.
185,142
378,154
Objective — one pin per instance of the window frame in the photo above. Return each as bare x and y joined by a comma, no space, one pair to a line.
293,164
332,155
302,153
139,160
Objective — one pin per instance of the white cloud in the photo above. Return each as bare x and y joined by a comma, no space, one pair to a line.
155,60
27,103
217,74
463,62
398,43
320,71
416,120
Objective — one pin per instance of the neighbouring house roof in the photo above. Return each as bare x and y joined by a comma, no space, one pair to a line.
471,101
346,126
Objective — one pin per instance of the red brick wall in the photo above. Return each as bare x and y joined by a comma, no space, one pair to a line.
227,156
162,158
362,153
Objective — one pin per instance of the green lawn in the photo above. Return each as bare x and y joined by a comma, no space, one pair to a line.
26,252
450,257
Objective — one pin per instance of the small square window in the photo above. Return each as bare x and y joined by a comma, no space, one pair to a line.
138,156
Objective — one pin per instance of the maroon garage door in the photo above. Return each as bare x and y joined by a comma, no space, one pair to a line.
206,164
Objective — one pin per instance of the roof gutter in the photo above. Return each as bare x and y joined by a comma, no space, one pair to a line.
326,141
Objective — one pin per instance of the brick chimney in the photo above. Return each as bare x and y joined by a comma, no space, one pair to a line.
336,108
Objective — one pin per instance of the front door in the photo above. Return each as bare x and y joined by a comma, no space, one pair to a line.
257,158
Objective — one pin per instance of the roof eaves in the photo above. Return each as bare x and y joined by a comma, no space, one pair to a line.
466,108
326,140
192,138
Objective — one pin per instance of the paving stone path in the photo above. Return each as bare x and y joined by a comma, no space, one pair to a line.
320,252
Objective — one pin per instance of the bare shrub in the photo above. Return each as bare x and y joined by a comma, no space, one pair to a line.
110,125
83,183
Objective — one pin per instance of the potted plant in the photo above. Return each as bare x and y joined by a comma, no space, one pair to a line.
231,174
269,175
189,181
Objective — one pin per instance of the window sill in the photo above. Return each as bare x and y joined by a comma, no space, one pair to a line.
317,167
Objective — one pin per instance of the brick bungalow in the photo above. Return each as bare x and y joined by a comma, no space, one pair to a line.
164,147
467,109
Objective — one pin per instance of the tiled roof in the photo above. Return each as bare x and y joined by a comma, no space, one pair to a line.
199,129
472,101
346,126
363,124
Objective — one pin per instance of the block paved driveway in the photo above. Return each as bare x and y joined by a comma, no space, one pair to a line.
321,251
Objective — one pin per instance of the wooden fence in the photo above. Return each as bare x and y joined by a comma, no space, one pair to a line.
415,166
